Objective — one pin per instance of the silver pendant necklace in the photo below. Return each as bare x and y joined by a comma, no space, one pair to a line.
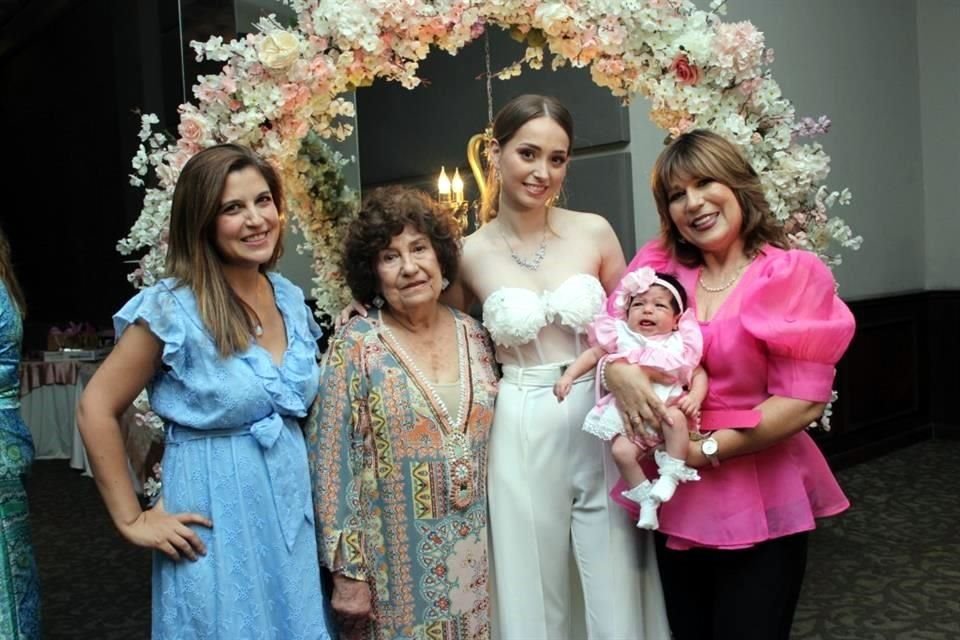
527,263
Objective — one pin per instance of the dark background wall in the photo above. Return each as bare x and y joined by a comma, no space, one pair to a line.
405,136
73,74
67,88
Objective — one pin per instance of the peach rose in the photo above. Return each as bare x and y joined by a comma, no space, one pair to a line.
192,129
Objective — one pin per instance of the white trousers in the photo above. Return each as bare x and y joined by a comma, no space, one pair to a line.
567,562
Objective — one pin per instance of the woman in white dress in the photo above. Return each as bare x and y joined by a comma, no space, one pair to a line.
567,562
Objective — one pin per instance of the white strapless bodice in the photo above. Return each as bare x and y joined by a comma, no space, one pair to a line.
515,316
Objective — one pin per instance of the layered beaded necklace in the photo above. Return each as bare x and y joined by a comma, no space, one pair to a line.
454,432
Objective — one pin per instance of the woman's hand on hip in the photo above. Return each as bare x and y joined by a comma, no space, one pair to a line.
167,532
352,602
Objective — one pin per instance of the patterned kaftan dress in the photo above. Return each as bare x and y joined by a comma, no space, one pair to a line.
19,587
400,492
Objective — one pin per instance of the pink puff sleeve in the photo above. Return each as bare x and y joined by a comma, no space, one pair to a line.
603,332
653,255
792,307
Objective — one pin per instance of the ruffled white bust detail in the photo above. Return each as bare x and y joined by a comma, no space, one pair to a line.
514,316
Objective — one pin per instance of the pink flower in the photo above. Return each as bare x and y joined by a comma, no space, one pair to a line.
610,66
177,160
633,283
686,73
684,125
747,87
739,46
294,96
192,129
293,127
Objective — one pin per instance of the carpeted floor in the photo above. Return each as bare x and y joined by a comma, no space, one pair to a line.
887,569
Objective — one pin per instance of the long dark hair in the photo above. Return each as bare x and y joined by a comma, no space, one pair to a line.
192,256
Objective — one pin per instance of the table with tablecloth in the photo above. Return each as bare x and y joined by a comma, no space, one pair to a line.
49,392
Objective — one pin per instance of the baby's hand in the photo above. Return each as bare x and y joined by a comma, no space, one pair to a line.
561,388
689,406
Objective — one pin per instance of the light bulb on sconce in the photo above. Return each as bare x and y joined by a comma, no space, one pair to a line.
457,186
450,195
443,187
450,192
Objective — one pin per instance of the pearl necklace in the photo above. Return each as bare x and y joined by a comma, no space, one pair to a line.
527,263
438,401
456,442
726,285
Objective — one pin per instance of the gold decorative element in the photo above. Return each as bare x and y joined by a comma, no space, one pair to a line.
475,148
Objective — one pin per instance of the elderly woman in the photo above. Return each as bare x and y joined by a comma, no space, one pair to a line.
397,439
732,547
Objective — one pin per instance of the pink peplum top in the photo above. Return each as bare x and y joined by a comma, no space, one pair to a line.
780,332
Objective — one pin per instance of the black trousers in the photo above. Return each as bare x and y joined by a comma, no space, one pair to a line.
745,594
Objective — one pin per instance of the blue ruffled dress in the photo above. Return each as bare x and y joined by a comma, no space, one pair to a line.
235,453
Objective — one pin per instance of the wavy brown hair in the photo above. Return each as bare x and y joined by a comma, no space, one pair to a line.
508,121
705,154
384,213
9,278
192,256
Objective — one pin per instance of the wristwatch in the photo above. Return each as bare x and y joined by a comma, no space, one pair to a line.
709,448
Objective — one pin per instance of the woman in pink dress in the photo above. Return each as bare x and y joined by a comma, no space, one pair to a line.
732,547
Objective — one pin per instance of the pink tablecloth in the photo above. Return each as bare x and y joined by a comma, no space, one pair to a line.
35,374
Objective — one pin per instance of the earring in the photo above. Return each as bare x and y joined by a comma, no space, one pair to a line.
444,284
377,301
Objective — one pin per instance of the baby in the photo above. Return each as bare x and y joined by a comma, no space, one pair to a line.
660,334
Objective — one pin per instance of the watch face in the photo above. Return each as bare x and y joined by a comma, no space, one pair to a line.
709,447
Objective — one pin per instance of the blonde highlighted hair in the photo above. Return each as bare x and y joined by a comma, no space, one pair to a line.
192,256
705,154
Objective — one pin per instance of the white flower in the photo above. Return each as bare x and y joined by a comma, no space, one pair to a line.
278,50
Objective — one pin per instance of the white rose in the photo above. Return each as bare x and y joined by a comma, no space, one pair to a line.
278,50
550,13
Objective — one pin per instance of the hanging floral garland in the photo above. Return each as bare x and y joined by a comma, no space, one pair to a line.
280,92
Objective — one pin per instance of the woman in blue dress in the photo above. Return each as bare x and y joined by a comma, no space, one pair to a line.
19,588
227,351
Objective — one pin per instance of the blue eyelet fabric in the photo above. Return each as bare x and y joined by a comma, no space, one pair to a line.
235,453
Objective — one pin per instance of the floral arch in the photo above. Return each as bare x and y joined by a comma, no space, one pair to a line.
280,92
